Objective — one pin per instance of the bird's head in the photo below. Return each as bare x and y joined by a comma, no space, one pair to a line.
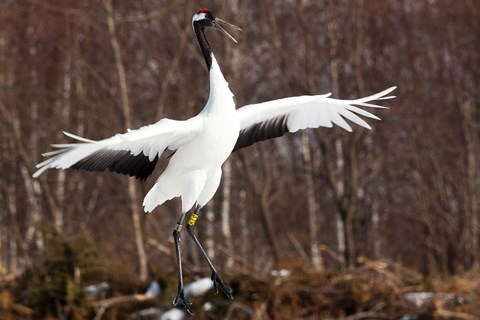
205,18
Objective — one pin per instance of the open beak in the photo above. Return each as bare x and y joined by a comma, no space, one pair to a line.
217,23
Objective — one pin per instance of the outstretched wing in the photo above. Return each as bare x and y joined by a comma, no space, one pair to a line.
274,118
134,153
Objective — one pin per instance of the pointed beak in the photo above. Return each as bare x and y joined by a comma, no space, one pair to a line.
217,23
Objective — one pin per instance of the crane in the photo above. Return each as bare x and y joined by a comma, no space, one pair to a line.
203,143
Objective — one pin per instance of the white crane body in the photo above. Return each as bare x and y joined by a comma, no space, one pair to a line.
194,170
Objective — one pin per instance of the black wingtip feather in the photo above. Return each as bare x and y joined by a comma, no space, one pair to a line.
119,161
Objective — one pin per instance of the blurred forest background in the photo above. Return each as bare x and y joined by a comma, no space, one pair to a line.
406,192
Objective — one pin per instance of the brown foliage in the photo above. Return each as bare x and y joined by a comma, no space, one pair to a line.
374,290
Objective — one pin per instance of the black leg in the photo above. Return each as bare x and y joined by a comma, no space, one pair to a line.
180,293
217,280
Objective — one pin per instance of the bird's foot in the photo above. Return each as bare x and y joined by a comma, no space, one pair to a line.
180,298
218,283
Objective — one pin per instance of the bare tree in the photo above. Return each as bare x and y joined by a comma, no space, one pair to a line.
126,110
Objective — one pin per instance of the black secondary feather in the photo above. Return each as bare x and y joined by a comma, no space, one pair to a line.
119,161
270,129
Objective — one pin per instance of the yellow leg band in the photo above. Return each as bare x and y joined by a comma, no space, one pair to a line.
193,219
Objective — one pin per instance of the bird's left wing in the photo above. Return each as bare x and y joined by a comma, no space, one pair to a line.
134,153
274,118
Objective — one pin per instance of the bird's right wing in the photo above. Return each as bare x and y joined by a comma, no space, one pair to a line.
134,153
271,119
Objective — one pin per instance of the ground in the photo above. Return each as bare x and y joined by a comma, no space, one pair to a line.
373,290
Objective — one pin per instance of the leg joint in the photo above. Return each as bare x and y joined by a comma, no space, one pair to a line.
176,231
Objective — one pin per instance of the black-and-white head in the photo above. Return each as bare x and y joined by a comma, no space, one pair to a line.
205,18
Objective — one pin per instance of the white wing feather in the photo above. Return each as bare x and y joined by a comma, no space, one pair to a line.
150,140
312,111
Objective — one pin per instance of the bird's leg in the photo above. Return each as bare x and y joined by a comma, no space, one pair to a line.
180,293
217,280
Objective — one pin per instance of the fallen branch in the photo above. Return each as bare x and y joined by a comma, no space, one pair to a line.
103,305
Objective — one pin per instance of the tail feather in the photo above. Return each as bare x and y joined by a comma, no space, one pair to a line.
187,185
157,196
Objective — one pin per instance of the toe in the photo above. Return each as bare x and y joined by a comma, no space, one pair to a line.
180,298
218,283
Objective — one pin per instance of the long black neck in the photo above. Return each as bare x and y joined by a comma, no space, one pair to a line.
204,45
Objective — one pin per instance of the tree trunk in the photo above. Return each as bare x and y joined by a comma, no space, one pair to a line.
226,230
339,186
64,104
472,154
312,204
377,249
210,229
235,57
126,110
11,248
244,234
